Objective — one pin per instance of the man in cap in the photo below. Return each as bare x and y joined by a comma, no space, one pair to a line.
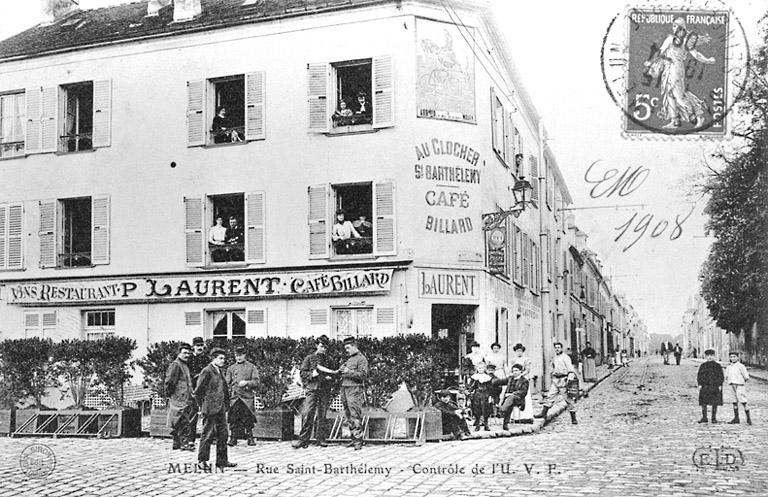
353,375
317,377
562,372
213,395
242,378
197,361
181,405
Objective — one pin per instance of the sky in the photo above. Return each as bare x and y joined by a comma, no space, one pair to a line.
555,45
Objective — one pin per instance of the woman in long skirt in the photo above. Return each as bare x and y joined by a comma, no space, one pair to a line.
589,354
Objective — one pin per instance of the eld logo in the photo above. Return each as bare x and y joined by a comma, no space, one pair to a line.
718,458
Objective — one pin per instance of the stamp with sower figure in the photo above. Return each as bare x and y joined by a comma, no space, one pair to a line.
675,71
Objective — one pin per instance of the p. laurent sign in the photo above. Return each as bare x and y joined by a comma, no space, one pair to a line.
185,288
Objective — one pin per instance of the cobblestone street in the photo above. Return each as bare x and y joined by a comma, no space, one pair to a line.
630,442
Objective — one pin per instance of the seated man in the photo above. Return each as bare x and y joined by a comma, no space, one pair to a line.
363,111
517,389
342,234
217,236
235,240
453,417
365,229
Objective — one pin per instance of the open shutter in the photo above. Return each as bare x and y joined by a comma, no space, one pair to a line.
494,138
3,236
256,322
534,178
47,233
384,215
193,230
32,144
100,226
15,252
255,94
319,233
383,92
317,97
196,129
102,113
255,234
49,119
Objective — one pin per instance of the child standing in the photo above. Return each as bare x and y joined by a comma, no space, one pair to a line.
736,377
710,380
480,385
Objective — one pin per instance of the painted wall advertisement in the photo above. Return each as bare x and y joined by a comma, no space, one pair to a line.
497,259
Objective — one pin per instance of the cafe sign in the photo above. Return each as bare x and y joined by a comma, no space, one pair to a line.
191,288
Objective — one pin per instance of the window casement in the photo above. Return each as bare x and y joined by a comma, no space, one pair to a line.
98,323
12,236
12,119
519,157
368,227
225,229
74,232
354,322
242,98
40,324
351,96
226,323
70,118
504,135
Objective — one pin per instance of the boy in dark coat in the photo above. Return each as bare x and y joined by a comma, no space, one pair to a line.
480,385
453,418
710,380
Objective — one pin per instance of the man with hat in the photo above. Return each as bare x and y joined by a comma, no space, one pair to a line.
317,377
181,405
197,361
242,378
212,394
353,375
452,416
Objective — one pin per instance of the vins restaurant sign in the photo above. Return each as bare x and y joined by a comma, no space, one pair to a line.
206,288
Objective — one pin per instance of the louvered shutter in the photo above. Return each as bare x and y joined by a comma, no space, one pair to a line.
255,106
193,230
256,322
193,323
319,230
102,113
3,236
534,178
47,233
15,252
255,234
383,92
317,97
100,227
49,120
494,127
32,144
384,232
196,127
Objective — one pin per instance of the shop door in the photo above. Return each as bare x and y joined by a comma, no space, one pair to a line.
457,323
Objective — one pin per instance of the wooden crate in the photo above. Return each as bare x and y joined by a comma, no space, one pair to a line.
7,421
274,424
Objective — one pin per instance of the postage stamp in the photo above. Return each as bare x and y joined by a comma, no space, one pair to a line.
675,71
37,461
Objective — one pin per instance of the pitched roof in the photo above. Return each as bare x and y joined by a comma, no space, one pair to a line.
121,23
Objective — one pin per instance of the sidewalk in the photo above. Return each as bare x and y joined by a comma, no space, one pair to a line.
755,373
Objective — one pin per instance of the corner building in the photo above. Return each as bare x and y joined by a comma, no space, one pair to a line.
116,163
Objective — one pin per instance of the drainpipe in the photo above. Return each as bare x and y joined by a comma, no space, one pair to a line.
546,334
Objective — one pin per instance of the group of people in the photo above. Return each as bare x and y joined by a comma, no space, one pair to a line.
359,114
352,237
667,348
226,243
713,383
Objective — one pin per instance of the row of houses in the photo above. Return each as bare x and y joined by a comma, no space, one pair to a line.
700,332
170,170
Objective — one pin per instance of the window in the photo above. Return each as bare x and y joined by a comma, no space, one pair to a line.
354,322
11,236
226,110
40,324
351,95
77,123
367,225
74,232
227,323
225,228
497,126
98,323
526,260
12,118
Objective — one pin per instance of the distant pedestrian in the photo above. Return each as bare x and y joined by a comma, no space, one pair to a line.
589,354
736,377
710,380
242,377
317,377
181,405
213,395
624,358
354,373
679,353
562,373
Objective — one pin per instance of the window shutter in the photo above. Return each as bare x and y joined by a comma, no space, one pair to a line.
15,252
196,128
32,144
3,236
384,232
193,323
255,105
102,113
318,317
47,233
534,178
385,315
317,97
193,230
509,156
255,234
319,231
383,92
100,227
256,322
494,138
49,120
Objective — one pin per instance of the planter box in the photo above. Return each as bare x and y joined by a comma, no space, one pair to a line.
157,423
378,419
118,423
433,426
274,424
22,416
7,421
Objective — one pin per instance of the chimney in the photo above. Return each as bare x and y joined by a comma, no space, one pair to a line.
154,6
183,10
55,10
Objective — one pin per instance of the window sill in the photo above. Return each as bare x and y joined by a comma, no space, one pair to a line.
220,265
224,145
11,157
13,270
66,268
352,130
59,152
501,159
345,257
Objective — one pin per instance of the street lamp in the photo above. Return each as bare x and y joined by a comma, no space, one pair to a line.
521,192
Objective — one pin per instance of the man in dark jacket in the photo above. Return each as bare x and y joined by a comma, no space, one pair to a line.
452,416
317,377
242,378
197,361
710,380
353,375
213,395
679,353
181,405
517,389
